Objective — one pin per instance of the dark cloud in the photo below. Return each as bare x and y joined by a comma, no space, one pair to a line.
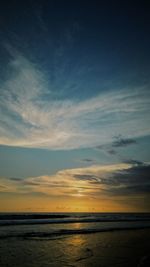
135,162
119,142
87,177
135,174
28,183
112,152
87,160
134,180
132,190
123,142
15,179
95,180
23,181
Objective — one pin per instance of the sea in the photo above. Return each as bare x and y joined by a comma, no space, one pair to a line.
74,239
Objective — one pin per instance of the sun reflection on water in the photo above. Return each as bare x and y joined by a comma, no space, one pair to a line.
75,244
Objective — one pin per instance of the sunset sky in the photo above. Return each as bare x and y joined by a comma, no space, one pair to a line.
74,106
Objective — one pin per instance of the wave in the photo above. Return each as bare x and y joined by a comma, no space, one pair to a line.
29,219
65,232
24,216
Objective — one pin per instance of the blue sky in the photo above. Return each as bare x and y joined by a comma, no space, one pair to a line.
74,84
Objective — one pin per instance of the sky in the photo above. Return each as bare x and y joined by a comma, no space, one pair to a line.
74,106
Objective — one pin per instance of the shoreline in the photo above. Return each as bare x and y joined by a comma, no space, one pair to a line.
105,249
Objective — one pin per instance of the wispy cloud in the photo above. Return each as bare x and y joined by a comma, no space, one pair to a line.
31,117
69,182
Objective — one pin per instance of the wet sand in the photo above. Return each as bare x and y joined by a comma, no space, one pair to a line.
106,249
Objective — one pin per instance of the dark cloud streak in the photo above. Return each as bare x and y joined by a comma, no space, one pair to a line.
87,160
123,142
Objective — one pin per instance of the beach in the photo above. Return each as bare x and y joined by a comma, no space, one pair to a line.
85,244
105,249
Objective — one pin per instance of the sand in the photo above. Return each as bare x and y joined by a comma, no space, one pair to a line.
119,248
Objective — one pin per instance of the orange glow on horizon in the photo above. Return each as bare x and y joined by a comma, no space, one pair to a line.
19,203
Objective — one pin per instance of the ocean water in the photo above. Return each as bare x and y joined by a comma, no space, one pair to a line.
74,239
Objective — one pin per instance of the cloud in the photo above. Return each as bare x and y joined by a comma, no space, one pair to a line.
92,181
123,142
117,182
15,179
87,160
135,162
112,152
85,177
120,142
132,190
134,180
33,117
64,182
